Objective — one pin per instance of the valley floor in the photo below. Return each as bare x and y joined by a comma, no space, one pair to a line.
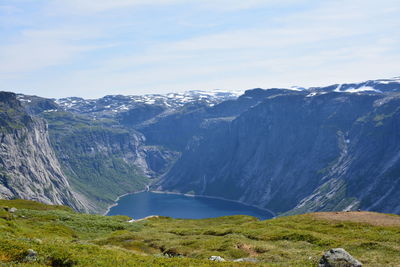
62,237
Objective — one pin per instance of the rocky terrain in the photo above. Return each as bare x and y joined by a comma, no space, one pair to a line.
98,147
290,150
298,152
111,105
29,167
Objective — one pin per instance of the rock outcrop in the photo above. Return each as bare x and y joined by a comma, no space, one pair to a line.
29,168
299,152
217,258
289,151
338,257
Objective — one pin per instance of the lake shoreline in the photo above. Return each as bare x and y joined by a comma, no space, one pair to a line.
213,197
188,195
118,198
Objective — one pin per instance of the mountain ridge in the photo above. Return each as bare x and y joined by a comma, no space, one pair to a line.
28,165
161,138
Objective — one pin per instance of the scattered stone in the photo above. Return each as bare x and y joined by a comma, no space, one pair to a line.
216,258
38,241
32,255
338,257
171,253
253,260
12,210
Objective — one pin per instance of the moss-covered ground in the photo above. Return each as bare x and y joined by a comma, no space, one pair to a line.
62,237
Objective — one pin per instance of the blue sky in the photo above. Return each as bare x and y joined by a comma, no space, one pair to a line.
92,48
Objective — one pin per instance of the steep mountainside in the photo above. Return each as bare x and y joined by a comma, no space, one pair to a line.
177,129
102,159
290,150
97,143
28,165
300,151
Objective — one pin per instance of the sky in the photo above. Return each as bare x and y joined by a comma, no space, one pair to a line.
92,48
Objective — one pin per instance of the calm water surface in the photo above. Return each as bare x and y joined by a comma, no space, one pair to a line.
144,204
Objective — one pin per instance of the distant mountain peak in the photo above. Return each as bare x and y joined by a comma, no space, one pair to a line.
112,104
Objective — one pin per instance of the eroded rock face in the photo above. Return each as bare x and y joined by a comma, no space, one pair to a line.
335,147
29,168
335,151
338,257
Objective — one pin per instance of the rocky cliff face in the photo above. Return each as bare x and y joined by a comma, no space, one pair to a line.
101,153
290,150
367,172
29,168
299,152
102,159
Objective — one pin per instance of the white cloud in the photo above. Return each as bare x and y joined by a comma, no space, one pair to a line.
320,43
264,43
95,6
231,5
34,55
37,49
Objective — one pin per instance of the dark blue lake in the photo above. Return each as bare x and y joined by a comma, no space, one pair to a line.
144,204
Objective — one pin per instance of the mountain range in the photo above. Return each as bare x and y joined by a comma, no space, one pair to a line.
289,150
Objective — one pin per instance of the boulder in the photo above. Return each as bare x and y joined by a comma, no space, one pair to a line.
37,240
12,210
31,255
216,258
254,260
338,257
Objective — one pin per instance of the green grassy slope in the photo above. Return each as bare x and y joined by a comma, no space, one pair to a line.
62,237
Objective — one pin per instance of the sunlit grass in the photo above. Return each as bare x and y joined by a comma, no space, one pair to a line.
65,238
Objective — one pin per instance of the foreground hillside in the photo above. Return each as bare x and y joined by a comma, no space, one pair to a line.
61,237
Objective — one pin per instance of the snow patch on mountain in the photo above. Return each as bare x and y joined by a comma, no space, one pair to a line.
113,104
362,89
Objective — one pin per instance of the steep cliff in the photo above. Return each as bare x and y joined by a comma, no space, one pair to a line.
290,150
29,168
367,172
176,129
299,152
102,159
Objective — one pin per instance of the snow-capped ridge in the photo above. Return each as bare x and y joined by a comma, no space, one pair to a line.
112,104
362,89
